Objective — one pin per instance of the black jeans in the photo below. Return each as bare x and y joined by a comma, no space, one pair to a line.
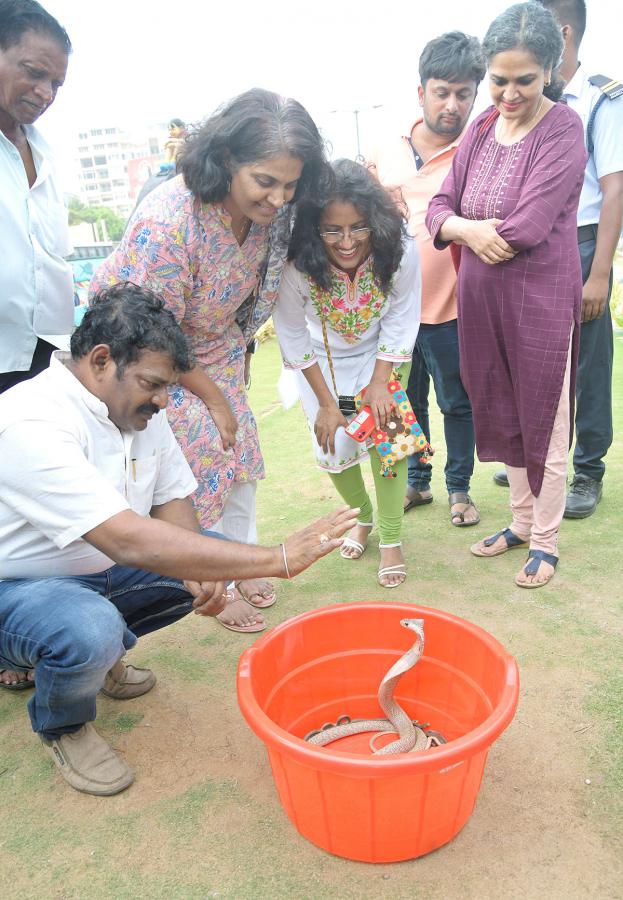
593,417
40,361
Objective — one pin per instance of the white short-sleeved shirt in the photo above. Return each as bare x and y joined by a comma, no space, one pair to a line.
607,156
36,283
66,468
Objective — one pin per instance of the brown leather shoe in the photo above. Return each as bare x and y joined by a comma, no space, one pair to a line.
461,497
88,763
416,498
126,682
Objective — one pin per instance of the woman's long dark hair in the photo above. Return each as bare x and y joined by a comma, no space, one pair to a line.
352,183
253,126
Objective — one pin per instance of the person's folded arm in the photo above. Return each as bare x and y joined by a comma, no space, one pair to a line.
447,201
557,170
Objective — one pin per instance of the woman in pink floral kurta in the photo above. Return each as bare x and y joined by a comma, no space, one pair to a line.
212,243
190,257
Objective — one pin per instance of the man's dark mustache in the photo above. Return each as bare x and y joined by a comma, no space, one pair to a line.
147,408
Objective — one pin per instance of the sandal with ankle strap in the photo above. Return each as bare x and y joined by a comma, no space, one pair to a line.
355,545
398,569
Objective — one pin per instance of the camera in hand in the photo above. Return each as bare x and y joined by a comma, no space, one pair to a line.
346,404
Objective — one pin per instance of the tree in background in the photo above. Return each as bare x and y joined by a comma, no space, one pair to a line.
109,225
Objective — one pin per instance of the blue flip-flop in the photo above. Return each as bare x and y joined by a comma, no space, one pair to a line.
535,557
512,541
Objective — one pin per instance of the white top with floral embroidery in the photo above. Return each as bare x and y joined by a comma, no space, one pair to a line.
363,325
359,317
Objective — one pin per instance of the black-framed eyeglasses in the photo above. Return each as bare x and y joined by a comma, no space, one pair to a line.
335,235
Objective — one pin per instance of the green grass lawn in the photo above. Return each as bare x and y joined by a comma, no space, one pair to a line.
203,819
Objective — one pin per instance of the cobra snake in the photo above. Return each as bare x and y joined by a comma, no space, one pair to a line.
412,736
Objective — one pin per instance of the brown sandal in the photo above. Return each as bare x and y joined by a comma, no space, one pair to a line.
251,627
23,685
462,497
415,498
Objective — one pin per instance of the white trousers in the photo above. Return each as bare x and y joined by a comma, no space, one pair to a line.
238,519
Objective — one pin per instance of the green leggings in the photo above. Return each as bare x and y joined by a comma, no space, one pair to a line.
390,492
390,495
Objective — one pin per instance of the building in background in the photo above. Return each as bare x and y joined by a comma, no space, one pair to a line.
112,164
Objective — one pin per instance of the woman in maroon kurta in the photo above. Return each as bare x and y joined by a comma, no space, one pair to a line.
511,201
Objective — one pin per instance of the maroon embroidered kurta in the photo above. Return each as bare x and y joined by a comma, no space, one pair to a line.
516,318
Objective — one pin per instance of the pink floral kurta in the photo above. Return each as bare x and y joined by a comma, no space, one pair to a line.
186,253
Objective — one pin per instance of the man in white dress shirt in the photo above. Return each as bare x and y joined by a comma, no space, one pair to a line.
36,285
99,542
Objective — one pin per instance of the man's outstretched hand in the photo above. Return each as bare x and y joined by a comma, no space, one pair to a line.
308,545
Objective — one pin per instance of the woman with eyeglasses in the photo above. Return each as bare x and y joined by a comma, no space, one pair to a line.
347,314
212,243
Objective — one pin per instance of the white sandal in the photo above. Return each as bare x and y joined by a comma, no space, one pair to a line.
355,545
398,569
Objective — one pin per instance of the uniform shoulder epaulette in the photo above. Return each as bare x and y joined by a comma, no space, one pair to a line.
610,90
610,87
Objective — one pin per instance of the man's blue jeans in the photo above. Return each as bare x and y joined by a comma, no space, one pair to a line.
436,356
72,630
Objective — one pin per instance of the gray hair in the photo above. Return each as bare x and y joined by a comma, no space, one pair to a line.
529,26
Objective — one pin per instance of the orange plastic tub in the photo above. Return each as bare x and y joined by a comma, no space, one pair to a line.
329,662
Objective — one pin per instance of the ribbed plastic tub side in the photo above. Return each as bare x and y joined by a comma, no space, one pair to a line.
328,663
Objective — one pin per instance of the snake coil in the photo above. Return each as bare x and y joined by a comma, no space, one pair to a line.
413,736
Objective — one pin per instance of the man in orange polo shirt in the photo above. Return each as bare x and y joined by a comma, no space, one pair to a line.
451,68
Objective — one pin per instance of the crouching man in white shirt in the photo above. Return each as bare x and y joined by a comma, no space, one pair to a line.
99,543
